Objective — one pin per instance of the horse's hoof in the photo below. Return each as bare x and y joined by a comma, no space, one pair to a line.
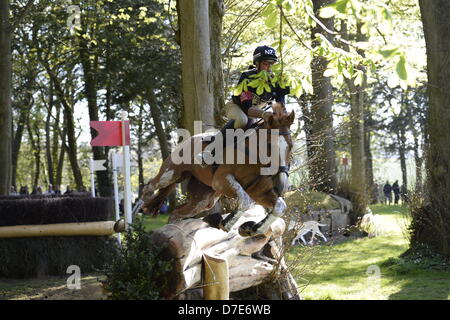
247,229
214,220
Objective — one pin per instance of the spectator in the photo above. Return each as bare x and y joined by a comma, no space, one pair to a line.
50,190
396,189
387,189
13,191
35,191
164,208
24,190
68,190
57,190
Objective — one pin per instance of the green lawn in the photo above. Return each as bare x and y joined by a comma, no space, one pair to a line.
152,223
368,268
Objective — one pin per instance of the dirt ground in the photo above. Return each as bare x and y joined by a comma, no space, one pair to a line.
51,288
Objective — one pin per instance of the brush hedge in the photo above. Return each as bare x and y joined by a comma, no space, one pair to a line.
32,257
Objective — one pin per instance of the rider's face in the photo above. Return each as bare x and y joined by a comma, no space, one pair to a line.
265,65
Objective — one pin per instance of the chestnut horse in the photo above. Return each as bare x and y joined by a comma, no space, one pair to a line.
243,182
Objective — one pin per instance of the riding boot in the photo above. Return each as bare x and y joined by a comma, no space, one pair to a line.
222,132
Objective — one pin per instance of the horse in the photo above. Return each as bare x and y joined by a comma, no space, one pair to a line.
241,181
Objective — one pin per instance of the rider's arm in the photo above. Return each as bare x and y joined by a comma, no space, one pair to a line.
258,113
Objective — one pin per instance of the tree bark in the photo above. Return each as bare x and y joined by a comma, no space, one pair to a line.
5,98
48,142
162,136
216,13
90,90
435,222
368,152
197,70
323,164
358,182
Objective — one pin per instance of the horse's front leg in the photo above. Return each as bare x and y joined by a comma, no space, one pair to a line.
263,226
230,187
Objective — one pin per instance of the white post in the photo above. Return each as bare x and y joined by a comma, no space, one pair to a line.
116,192
91,165
127,173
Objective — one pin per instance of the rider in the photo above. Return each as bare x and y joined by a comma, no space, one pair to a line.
249,104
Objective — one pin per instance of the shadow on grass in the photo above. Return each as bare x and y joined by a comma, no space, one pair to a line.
434,286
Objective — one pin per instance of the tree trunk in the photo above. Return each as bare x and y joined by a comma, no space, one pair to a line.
139,152
35,142
17,141
5,98
48,142
56,142
323,165
402,155
216,12
162,137
90,90
60,165
368,153
197,70
358,187
433,228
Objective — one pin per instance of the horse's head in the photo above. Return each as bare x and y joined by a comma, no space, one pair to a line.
282,120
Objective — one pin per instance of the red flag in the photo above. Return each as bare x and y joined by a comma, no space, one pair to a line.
110,133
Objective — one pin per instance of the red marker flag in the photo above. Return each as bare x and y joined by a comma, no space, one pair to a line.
110,133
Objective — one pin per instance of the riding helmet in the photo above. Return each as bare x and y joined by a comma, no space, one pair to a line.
262,53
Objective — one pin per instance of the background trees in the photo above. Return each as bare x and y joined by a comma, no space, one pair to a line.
355,69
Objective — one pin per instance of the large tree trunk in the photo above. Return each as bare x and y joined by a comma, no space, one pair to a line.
216,12
323,164
434,224
5,98
358,187
197,73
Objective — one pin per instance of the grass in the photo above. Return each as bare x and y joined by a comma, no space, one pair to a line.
342,271
152,223
368,268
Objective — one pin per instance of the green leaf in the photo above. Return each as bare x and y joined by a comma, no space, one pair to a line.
268,10
238,90
401,68
271,20
254,83
388,52
260,89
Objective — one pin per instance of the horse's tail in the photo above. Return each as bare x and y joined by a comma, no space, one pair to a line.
155,204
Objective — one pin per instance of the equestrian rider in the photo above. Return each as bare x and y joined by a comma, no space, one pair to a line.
249,104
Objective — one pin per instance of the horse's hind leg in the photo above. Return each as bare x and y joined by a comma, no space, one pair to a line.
167,175
201,198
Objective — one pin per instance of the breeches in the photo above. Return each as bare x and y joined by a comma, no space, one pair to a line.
234,112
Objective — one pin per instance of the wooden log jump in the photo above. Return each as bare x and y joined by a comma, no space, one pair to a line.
100,228
197,249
